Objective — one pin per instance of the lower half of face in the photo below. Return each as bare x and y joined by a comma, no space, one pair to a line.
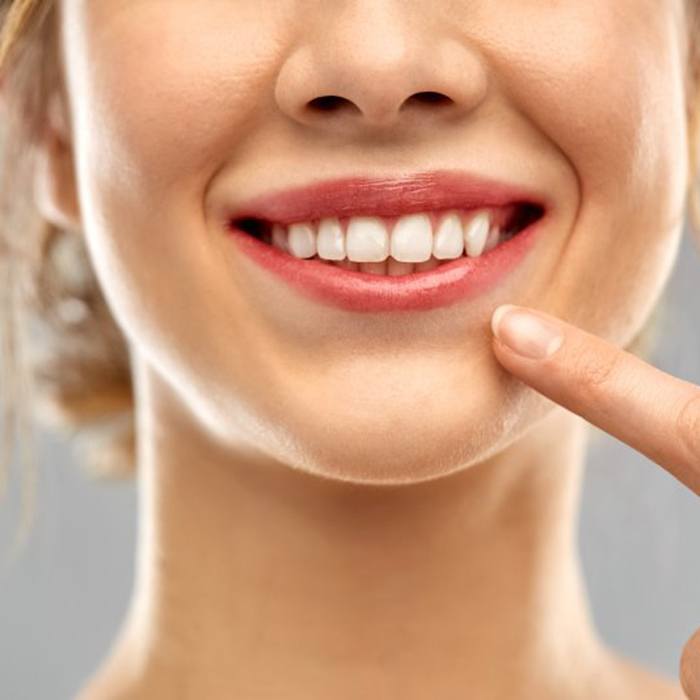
592,115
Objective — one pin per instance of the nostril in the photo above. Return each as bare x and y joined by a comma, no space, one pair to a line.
430,97
327,103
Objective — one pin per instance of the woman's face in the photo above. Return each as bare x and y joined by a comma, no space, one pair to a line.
180,110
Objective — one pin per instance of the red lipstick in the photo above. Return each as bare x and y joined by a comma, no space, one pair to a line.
427,192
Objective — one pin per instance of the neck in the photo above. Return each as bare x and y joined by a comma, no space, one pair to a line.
253,575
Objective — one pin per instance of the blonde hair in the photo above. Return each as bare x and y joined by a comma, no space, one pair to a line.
76,376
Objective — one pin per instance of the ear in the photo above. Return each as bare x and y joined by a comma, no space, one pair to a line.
55,188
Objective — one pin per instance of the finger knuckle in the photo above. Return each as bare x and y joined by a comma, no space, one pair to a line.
688,427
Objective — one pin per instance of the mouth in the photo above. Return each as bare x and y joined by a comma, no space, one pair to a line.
409,243
395,246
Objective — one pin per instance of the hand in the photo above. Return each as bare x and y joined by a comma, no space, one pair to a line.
653,412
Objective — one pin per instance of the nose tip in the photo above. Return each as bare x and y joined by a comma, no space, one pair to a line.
371,81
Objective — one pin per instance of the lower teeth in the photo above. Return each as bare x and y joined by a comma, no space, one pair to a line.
390,266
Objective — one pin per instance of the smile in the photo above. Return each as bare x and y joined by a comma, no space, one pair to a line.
397,245
375,246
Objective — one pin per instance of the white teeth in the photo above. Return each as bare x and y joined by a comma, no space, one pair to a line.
411,245
493,238
412,238
347,264
279,237
302,240
427,265
331,241
448,242
475,234
367,239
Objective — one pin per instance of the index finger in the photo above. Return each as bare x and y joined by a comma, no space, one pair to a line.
653,412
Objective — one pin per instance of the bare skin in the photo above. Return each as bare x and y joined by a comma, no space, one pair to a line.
335,506
465,585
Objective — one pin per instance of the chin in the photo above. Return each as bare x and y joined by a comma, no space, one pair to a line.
377,441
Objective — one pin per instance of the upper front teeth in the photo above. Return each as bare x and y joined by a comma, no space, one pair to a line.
302,240
475,234
330,240
411,240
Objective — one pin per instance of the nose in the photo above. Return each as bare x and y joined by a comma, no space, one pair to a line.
373,66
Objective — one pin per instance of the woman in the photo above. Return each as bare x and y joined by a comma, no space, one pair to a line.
303,216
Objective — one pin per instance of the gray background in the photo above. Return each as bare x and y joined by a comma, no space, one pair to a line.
639,531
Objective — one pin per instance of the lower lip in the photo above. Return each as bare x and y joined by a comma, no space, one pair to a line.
352,290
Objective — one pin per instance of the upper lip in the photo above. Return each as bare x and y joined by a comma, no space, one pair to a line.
385,196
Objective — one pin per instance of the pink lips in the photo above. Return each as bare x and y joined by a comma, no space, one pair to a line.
358,291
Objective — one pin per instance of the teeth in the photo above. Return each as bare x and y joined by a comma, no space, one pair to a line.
279,237
427,265
493,238
331,241
412,239
475,233
413,244
396,267
302,240
347,264
448,242
374,268
367,239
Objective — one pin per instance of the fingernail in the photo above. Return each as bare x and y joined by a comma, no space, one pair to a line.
525,333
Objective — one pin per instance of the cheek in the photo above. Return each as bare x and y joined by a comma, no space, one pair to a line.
163,94
155,114
604,82
604,85
168,91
